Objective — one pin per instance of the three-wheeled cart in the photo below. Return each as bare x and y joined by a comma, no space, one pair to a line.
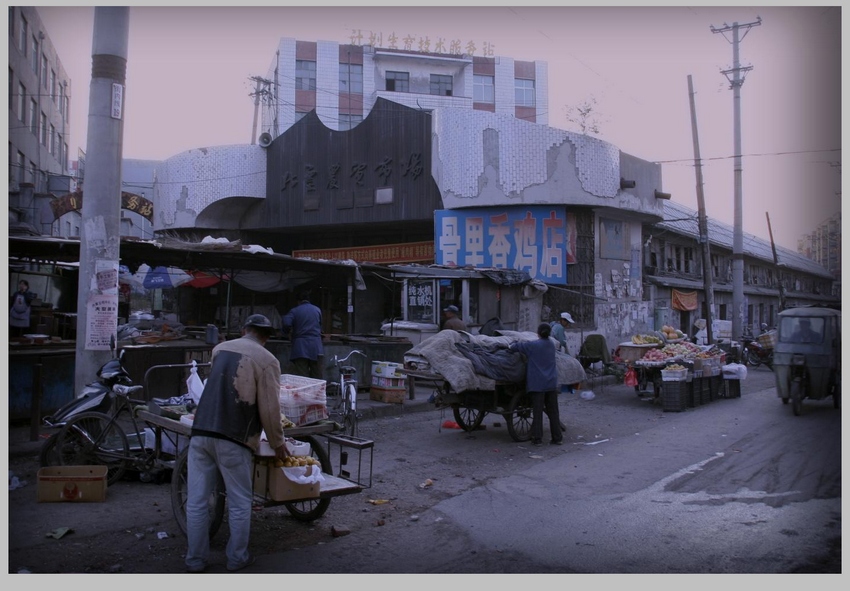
471,406
353,458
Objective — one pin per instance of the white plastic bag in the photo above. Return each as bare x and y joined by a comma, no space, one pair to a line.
195,384
304,474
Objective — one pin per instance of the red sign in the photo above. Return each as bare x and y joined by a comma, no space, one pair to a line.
129,201
407,252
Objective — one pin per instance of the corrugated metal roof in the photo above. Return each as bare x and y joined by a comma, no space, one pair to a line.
684,220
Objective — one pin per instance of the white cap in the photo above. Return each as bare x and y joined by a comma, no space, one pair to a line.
566,316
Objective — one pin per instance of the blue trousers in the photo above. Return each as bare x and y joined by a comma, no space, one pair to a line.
545,402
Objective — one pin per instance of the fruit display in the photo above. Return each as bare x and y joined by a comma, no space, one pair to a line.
684,350
645,339
296,461
672,334
675,366
653,356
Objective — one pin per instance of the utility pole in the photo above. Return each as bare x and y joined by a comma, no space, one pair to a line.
97,290
703,223
778,268
737,73
256,94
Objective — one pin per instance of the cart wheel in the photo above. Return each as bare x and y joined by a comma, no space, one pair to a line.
92,438
519,417
314,508
797,397
48,455
180,494
469,419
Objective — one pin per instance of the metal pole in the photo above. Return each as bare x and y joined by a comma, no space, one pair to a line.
703,223
738,235
778,268
97,289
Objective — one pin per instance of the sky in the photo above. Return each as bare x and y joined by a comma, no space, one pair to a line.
189,68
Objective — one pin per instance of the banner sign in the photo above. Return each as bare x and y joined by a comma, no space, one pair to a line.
531,239
408,252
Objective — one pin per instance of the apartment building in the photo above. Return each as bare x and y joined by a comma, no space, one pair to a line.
342,82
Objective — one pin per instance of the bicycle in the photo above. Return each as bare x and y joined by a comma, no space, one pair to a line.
346,388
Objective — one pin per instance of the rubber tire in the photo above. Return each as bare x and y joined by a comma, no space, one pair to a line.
796,390
349,420
314,508
72,450
47,456
179,494
469,419
753,359
519,417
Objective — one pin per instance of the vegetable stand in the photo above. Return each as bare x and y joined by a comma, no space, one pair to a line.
471,406
306,508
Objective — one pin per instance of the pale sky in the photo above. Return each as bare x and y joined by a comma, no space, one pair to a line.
189,69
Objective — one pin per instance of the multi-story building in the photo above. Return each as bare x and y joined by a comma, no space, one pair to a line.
39,94
823,245
343,82
39,126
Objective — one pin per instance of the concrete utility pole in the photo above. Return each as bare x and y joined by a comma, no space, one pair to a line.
257,94
738,73
703,224
97,292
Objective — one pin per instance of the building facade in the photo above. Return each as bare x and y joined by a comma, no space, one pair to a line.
823,245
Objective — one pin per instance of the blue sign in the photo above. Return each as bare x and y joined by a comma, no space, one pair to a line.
531,239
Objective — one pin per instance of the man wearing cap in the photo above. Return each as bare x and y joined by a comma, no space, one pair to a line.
558,331
240,399
453,321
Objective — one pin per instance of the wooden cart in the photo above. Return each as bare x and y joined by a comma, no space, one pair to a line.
348,480
471,406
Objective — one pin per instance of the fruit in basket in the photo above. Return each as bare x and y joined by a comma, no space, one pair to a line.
645,339
296,461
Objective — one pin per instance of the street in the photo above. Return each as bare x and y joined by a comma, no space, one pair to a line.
735,486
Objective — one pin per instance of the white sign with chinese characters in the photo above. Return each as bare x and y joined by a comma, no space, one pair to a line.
411,43
117,100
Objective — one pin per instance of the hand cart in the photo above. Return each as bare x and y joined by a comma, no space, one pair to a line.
471,406
347,482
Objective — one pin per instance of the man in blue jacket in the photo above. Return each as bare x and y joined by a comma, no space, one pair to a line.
304,323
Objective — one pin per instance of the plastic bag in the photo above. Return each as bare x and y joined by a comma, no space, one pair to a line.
195,384
304,474
630,379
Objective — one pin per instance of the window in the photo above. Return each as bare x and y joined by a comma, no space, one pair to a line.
34,56
23,38
44,71
33,117
33,174
524,92
22,101
51,146
305,75
483,89
351,78
19,174
53,85
398,81
42,128
441,85
349,121
62,101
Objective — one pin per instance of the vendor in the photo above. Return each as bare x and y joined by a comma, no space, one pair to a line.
453,322
559,330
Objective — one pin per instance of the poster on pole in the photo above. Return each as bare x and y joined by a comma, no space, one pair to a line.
101,315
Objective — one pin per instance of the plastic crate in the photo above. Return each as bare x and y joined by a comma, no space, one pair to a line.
674,375
303,400
732,388
674,396
391,383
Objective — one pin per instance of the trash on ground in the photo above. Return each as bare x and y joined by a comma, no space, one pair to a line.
450,425
59,532
378,501
426,484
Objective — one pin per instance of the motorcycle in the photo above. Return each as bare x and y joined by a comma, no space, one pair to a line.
754,353
96,396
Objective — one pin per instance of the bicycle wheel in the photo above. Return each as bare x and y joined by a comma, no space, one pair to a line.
93,438
314,508
180,494
349,419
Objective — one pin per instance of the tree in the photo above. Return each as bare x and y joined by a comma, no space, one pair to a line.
585,116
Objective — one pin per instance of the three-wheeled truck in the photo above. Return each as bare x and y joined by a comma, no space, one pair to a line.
807,356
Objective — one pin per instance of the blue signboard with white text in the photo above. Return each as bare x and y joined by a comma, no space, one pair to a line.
531,239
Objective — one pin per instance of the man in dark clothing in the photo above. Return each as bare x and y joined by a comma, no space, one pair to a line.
19,313
453,321
541,383
304,323
241,399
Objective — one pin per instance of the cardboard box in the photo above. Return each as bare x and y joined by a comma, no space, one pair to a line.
75,484
272,482
389,395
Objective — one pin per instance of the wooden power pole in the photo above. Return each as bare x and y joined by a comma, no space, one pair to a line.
778,269
703,223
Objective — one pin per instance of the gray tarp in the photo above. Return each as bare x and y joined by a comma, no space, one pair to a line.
440,354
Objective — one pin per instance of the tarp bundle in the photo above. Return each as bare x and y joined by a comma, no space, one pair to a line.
465,359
